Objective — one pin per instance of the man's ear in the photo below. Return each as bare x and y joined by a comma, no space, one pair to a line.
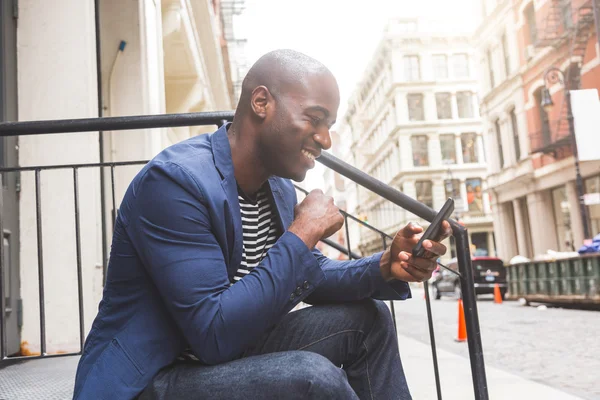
261,101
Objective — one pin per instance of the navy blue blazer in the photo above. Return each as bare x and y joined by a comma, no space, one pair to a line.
177,243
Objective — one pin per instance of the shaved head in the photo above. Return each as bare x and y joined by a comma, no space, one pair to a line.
279,71
289,101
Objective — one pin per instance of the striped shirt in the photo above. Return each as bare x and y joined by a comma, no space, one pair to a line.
259,224
260,231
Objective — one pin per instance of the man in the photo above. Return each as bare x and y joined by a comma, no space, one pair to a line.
211,253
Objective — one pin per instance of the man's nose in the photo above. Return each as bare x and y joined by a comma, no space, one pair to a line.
323,138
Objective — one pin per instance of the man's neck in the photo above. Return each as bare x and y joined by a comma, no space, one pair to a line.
248,168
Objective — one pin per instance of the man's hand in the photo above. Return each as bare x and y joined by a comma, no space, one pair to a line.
398,261
315,218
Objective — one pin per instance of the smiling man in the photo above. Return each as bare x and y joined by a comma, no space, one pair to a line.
211,252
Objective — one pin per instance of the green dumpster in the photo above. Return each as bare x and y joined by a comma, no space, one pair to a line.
561,281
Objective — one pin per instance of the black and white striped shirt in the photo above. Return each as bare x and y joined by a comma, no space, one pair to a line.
260,231
259,224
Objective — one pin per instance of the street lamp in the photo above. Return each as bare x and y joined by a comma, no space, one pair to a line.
449,187
551,76
546,100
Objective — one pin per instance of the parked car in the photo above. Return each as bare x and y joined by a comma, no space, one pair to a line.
487,272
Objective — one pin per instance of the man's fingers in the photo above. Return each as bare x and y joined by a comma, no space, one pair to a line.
435,248
424,264
411,229
446,229
418,274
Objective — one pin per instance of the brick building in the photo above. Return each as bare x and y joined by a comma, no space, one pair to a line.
532,181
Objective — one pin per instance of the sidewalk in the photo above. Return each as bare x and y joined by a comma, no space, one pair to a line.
456,381
50,379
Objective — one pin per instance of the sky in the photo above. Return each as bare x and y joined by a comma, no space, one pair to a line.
342,34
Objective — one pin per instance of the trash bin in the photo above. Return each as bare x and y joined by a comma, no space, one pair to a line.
571,281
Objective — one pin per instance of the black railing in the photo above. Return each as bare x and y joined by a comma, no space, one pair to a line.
218,118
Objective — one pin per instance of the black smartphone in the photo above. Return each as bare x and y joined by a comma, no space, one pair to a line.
434,230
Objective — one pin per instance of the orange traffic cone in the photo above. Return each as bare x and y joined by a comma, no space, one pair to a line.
462,327
497,295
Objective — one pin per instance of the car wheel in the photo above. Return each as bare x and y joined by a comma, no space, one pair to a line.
436,293
457,291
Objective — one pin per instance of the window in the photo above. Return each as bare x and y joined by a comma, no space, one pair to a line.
474,195
448,146
452,188
499,143
567,14
574,74
440,66
443,104
409,26
544,137
479,240
424,192
515,133
506,55
419,149
468,142
490,68
592,187
464,101
416,112
562,219
460,65
411,68
531,24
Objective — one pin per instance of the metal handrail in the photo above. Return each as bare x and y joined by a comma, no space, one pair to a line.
218,118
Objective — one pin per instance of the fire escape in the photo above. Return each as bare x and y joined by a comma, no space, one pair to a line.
567,29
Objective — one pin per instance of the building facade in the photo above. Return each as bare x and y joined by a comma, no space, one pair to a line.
415,126
343,191
71,60
235,44
532,180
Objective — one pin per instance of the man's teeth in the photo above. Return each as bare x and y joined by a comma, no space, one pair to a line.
308,155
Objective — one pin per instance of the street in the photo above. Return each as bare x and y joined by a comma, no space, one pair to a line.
554,346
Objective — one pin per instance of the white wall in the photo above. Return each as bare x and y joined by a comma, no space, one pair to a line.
137,85
57,79
195,73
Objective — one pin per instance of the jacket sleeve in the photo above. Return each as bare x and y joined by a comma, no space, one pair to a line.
170,228
355,280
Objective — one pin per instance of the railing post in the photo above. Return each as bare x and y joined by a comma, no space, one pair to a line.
78,253
392,308
436,369
3,338
463,255
40,254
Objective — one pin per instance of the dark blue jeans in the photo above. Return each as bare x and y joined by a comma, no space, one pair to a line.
339,351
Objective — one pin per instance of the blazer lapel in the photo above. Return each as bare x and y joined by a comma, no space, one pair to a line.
286,214
223,162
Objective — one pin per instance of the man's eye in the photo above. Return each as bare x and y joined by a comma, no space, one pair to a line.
315,121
